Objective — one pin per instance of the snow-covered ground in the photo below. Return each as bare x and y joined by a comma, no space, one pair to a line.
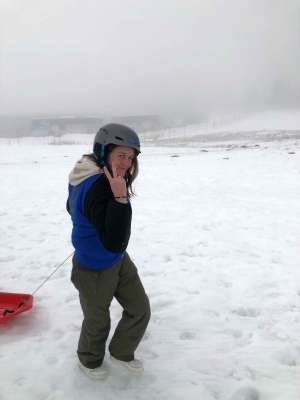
215,237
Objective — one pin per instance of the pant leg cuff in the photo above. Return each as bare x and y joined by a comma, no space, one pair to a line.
124,359
93,364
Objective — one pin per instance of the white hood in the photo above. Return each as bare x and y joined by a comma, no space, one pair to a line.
84,168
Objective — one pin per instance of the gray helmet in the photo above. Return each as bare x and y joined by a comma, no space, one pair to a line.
117,134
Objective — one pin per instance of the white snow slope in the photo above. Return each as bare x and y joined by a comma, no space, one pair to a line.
215,237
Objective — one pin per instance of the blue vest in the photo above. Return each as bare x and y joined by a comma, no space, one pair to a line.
89,250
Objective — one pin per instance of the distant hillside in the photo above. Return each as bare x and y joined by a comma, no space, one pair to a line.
261,121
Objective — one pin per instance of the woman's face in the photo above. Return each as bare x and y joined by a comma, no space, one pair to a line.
122,157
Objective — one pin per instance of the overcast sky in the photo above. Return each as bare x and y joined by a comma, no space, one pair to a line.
130,57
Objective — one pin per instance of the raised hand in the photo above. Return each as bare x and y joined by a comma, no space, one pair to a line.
117,184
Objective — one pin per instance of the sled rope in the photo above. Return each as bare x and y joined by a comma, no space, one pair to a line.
53,273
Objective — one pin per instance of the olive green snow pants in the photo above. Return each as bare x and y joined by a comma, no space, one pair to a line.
96,292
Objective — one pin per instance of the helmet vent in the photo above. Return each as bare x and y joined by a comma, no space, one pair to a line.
104,130
119,138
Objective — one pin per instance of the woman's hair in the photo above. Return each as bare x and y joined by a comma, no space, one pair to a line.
131,173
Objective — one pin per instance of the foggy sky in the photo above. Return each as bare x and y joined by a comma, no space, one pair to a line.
122,57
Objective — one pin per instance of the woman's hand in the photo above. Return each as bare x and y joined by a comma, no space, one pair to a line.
117,184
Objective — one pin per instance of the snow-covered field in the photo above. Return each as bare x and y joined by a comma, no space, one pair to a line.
215,237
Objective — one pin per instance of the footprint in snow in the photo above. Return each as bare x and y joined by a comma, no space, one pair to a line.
192,291
8,259
14,276
247,312
188,336
58,334
186,254
245,393
162,304
51,360
233,332
148,273
167,258
20,381
211,313
224,284
290,356
71,297
274,295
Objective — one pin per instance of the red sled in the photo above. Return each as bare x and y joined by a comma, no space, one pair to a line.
12,304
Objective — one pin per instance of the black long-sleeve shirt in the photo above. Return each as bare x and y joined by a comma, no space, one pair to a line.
110,218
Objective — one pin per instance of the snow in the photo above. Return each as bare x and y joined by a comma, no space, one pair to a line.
215,237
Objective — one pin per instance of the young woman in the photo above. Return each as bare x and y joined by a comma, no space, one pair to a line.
100,187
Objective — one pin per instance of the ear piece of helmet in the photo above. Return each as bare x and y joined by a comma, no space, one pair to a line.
99,153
